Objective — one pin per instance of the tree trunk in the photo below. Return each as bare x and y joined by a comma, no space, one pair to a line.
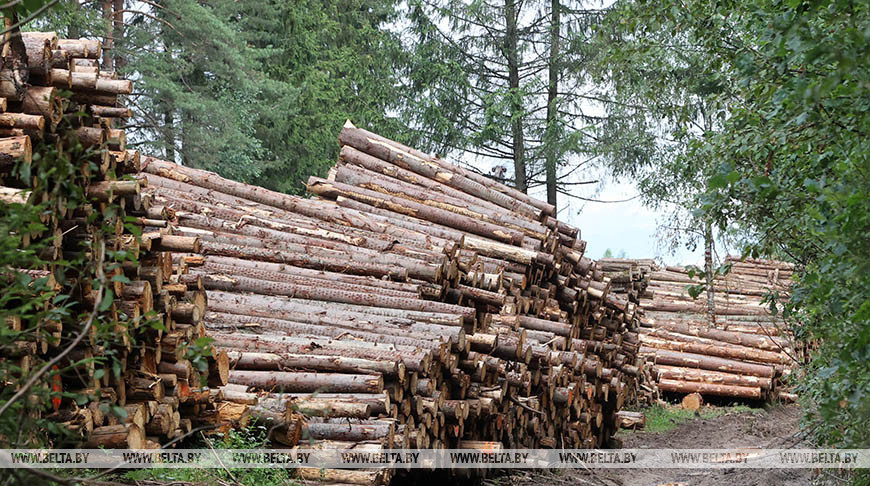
708,269
118,34
169,135
516,101
75,8
108,44
551,142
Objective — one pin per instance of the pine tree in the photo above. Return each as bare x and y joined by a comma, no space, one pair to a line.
506,83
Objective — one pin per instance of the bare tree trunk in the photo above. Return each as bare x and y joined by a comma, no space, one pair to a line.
73,31
186,123
169,148
168,128
516,105
708,269
552,93
108,42
118,33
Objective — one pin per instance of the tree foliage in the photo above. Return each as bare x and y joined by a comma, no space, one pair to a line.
503,81
790,165
256,91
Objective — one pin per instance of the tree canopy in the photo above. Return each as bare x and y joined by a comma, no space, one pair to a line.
788,163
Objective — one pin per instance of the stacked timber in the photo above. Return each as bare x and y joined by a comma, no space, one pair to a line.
148,312
629,279
744,351
411,304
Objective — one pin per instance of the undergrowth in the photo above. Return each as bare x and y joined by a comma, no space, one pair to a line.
662,418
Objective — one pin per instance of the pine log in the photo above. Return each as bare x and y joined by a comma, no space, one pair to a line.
410,208
256,269
366,179
13,149
721,350
713,377
394,272
424,165
288,309
689,360
283,361
122,436
709,389
308,382
266,287
742,339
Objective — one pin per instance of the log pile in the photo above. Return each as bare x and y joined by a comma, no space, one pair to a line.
412,303
629,279
151,313
745,352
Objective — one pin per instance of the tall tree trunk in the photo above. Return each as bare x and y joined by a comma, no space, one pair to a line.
552,93
186,123
708,269
73,31
118,33
516,105
169,134
108,44
708,242
168,128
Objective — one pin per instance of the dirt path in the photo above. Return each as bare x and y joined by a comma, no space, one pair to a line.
774,428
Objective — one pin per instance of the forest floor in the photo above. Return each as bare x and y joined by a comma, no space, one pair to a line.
776,427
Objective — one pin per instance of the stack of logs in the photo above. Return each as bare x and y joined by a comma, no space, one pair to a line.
745,351
412,304
629,279
157,309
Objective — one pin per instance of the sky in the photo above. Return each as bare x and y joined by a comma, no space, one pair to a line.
621,226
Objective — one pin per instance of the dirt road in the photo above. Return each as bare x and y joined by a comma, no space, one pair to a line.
774,428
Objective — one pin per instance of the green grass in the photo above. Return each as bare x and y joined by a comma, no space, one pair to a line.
250,438
253,437
662,418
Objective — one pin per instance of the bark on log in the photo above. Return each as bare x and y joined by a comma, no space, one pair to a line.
689,360
713,377
277,362
332,190
709,389
266,287
285,308
435,169
308,382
